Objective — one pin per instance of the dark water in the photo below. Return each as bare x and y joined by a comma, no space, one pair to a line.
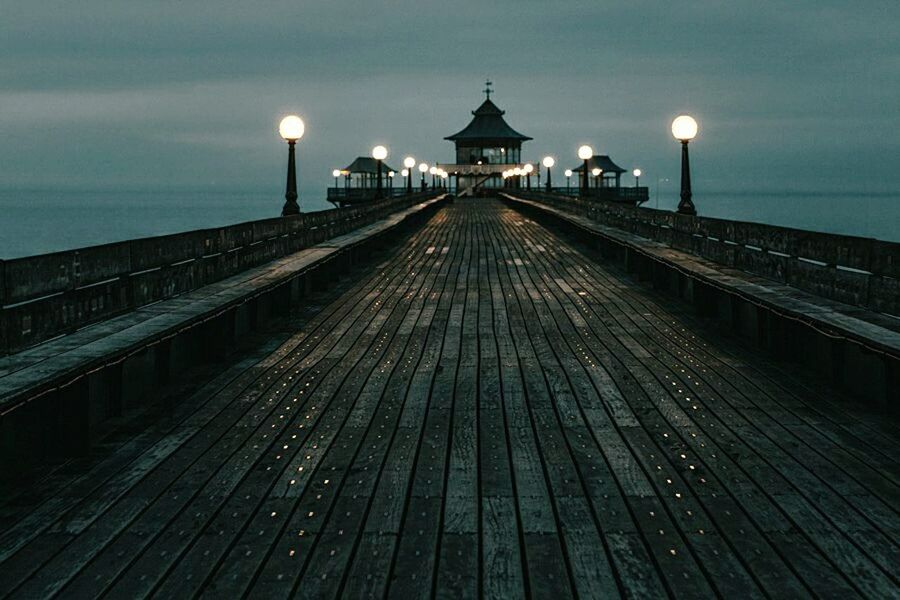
39,221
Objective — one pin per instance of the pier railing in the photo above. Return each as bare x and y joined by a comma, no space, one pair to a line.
48,295
854,270
345,196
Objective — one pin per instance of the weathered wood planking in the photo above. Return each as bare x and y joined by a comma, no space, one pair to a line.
494,411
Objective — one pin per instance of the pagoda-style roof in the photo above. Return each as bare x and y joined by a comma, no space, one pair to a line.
600,161
488,126
367,164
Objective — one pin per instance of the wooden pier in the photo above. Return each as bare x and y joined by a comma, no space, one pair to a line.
489,409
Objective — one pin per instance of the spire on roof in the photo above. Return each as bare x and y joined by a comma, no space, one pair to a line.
487,90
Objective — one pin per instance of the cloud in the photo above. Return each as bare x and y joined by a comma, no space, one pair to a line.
190,92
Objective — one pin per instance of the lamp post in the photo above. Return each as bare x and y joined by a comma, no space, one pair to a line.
410,163
585,153
336,173
391,180
549,161
684,128
379,153
568,174
432,171
291,129
637,177
423,168
527,169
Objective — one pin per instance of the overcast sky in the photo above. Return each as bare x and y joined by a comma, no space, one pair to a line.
800,94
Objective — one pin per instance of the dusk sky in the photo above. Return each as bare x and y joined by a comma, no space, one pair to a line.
116,93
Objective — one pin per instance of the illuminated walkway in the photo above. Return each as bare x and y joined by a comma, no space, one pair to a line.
489,411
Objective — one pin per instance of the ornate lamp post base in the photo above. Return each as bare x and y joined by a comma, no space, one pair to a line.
290,208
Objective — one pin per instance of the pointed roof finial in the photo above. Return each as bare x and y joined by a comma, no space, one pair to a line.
487,90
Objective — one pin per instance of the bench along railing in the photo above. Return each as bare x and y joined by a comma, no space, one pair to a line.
48,295
854,270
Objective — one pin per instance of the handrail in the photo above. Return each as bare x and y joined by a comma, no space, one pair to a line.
47,295
854,270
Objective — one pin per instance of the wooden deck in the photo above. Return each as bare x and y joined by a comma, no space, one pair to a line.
489,412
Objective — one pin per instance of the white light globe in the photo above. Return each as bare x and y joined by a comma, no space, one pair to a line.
568,173
549,162
291,128
684,128
405,172
518,171
432,170
379,153
391,173
585,152
636,172
409,162
528,168
423,167
595,172
336,173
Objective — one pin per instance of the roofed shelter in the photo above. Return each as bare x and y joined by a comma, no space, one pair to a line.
365,168
611,171
486,147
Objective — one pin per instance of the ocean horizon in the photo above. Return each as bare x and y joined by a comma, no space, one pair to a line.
39,221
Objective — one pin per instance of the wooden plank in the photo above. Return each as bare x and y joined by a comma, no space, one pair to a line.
510,417
263,385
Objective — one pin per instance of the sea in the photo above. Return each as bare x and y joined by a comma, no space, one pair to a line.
37,221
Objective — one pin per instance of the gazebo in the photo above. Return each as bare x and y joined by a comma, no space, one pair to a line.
611,171
485,148
363,173
361,183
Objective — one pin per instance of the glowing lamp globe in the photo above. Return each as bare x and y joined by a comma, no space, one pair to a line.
405,172
409,162
568,173
528,168
549,162
432,170
336,173
379,153
423,168
595,171
636,172
585,152
684,128
391,173
291,128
